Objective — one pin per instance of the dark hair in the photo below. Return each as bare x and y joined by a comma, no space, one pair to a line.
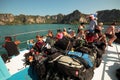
82,23
8,38
59,30
38,36
114,23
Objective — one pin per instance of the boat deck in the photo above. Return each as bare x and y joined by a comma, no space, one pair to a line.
110,62
16,64
106,71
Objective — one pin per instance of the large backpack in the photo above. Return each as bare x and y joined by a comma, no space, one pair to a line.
68,66
86,59
64,44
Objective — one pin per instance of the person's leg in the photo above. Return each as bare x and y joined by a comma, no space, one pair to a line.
111,40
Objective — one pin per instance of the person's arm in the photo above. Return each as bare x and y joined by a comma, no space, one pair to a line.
113,29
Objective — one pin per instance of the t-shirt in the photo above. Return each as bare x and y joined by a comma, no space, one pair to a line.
92,24
11,48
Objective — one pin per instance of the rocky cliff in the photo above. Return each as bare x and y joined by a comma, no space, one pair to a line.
6,18
106,16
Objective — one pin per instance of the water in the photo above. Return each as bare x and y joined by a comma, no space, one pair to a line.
32,29
20,32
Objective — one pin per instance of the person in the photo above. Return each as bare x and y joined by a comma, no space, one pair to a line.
81,27
81,35
92,24
110,34
11,47
65,34
39,44
69,30
101,41
50,38
59,34
30,43
50,33
98,28
73,34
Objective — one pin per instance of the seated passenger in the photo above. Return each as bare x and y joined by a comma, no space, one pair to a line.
98,28
81,35
65,34
81,27
39,44
50,38
11,47
59,34
102,42
110,33
90,37
30,43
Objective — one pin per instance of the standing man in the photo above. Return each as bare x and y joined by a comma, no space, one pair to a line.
93,23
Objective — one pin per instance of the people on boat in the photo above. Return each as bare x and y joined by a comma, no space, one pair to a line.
39,43
101,40
99,27
65,33
50,38
59,34
110,33
69,30
92,24
81,35
81,27
30,43
11,47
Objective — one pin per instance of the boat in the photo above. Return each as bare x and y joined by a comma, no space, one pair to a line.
16,68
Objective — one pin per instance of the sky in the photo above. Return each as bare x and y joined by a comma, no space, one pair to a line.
54,7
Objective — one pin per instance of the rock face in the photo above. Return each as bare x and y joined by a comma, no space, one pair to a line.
6,18
74,17
106,16
109,16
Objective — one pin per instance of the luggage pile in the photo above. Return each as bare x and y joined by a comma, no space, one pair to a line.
66,60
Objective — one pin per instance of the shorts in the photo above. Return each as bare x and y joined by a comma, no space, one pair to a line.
109,35
97,31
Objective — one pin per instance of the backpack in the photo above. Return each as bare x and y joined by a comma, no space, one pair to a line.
64,44
86,59
68,66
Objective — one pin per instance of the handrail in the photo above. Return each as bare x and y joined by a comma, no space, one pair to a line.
37,31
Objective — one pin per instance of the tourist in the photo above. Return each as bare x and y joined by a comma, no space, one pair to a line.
81,27
50,33
81,35
65,34
30,43
92,24
11,47
110,34
59,34
39,44
98,28
69,30
50,38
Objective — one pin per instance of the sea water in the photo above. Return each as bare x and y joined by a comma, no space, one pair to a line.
27,32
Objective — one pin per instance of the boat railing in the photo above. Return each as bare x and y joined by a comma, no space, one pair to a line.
23,43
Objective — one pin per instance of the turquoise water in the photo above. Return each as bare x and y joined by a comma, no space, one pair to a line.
18,29
27,32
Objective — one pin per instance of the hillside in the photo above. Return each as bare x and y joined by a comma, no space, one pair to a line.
106,16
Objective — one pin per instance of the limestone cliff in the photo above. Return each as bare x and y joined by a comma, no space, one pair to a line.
106,16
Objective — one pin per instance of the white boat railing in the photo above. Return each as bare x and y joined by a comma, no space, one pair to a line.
14,36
